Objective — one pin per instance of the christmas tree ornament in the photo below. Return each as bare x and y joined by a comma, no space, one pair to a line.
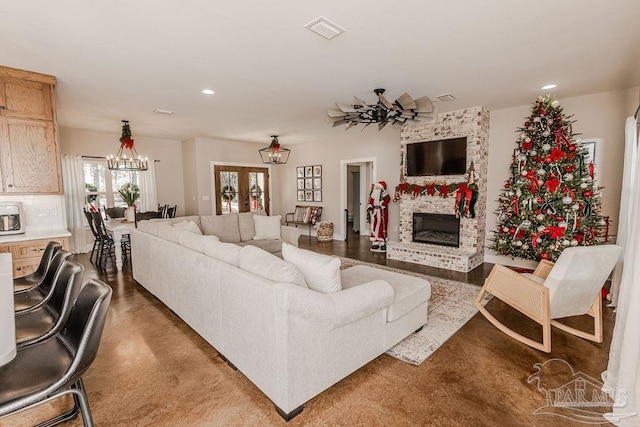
540,217
567,200
525,246
546,147
574,242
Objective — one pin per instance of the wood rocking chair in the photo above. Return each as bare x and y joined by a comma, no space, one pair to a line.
570,287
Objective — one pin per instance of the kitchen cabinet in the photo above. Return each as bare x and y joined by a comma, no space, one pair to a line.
29,150
27,254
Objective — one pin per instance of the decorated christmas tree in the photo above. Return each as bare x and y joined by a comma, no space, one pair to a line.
550,201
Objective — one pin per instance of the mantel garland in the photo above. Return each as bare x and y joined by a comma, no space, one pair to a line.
466,194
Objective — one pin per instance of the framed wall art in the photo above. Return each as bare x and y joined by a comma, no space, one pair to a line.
309,183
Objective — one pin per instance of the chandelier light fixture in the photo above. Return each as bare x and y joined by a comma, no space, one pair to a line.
127,158
404,110
274,154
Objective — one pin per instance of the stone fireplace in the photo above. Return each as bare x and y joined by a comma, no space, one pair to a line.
437,229
472,123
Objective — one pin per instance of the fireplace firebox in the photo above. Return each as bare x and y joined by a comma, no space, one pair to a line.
437,229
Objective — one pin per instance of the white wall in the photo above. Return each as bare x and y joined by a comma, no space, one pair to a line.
169,178
345,145
600,115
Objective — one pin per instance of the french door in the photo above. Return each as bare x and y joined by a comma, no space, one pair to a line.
241,189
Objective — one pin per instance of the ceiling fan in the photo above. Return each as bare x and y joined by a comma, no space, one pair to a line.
404,110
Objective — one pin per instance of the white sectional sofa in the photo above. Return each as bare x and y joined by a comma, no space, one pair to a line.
291,341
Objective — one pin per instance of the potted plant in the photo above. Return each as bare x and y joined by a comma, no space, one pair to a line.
130,193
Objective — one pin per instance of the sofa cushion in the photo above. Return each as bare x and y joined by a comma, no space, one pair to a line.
195,242
263,264
321,272
271,246
188,226
267,227
224,227
225,252
167,232
409,291
247,224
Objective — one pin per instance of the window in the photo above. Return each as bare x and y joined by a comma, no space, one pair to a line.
101,184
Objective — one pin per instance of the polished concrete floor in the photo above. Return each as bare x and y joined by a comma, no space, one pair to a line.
152,369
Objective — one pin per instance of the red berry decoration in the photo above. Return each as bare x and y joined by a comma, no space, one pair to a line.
543,111
559,218
588,193
506,185
572,147
544,255
547,159
526,124
512,231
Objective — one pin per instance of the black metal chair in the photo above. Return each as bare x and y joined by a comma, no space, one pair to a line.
37,324
171,211
36,296
53,368
105,245
34,279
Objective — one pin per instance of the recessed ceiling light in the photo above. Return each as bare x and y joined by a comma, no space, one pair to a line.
549,86
208,92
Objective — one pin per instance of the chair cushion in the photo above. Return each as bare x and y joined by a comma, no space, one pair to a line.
263,264
225,252
409,291
247,224
321,272
225,227
267,227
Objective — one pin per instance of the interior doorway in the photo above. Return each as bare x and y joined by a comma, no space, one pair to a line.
356,175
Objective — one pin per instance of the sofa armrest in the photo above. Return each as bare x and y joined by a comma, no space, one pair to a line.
340,308
290,235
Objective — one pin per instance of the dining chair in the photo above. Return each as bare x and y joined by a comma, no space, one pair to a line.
105,246
569,287
34,279
47,370
171,211
114,212
96,236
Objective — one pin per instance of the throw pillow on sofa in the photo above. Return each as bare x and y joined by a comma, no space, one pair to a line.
267,227
225,252
263,264
321,272
189,226
247,224
224,227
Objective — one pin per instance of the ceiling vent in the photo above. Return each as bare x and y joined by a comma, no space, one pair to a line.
447,97
325,28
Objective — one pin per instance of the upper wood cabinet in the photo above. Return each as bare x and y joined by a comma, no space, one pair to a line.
29,153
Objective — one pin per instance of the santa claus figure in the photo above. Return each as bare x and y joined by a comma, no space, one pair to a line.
378,215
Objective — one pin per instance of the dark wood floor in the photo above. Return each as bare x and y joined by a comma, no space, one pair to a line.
152,369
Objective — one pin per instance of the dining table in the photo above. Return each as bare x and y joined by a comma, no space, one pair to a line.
7,313
118,228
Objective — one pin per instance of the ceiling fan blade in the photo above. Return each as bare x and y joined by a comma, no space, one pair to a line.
363,104
382,124
385,102
408,115
363,127
339,123
397,123
406,102
346,108
335,119
424,105
350,125
334,112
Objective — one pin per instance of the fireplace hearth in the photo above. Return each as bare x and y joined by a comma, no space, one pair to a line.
436,229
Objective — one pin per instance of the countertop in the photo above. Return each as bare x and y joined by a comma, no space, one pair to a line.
34,235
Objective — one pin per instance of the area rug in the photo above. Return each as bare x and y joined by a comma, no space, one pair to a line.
450,307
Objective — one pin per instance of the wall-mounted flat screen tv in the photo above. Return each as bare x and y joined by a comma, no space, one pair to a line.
441,157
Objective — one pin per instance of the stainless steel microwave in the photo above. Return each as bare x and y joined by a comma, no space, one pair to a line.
12,218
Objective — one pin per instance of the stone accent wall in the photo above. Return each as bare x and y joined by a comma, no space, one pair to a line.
472,123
